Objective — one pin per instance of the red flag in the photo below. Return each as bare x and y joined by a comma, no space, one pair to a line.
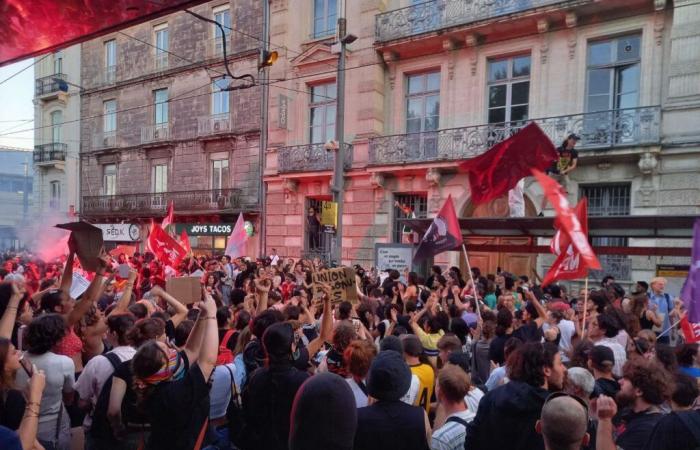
185,241
168,216
443,234
691,331
497,171
567,265
568,221
236,242
165,247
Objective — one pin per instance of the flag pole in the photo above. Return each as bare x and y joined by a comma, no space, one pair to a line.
585,309
669,328
471,277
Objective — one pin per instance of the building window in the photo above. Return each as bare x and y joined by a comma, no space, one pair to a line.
109,179
317,243
160,99
219,98
219,174
325,17
508,89
162,45
55,199
407,206
56,125
322,113
222,16
423,102
160,178
58,63
609,200
613,73
109,119
110,60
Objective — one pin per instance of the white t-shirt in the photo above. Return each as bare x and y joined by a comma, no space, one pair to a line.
95,374
60,378
220,392
567,329
412,393
274,260
360,397
473,398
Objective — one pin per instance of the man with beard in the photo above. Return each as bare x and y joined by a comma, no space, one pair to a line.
643,387
507,415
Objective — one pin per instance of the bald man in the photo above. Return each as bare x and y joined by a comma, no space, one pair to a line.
563,424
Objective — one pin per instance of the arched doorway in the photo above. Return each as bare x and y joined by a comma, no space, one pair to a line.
489,262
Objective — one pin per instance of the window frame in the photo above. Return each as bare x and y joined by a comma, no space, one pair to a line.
159,186
215,90
109,117
56,128
161,107
58,61
423,95
216,11
55,200
110,188
107,53
509,81
323,104
615,65
221,171
327,32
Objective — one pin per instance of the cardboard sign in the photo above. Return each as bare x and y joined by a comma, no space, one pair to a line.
88,242
123,270
78,286
341,281
128,250
186,290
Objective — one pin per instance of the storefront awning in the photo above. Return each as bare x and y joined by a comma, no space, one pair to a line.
31,28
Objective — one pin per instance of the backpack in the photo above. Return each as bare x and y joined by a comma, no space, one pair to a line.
225,355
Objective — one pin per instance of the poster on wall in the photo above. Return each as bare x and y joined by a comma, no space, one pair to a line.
393,256
329,216
675,277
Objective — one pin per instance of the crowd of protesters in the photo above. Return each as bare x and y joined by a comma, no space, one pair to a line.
266,361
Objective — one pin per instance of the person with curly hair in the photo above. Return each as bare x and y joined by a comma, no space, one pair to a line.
43,334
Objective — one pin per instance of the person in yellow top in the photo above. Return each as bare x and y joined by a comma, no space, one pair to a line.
431,332
415,358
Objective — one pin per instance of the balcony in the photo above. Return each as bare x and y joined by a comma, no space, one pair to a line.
619,266
440,14
602,130
309,158
155,204
214,124
50,87
104,140
53,153
155,133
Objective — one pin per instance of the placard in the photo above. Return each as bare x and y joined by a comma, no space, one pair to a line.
186,290
341,281
88,242
393,256
329,216
78,286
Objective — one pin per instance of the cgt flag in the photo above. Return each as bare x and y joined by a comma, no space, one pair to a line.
568,221
165,247
690,294
236,242
494,173
443,234
567,265
691,331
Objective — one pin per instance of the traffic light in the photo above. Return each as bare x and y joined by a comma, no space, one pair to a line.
267,58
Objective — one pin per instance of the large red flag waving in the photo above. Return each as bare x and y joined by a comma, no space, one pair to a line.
185,241
165,247
169,215
568,221
567,265
443,234
497,171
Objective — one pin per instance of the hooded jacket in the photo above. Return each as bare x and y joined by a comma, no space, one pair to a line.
506,419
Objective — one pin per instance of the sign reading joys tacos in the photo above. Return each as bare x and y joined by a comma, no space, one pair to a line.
341,281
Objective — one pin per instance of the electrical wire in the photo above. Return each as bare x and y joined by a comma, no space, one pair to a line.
22,70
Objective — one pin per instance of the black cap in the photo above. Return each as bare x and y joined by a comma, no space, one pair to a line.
278,339
601,355
574,136
389,376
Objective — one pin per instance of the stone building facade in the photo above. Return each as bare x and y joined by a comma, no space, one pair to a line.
429,84
159,124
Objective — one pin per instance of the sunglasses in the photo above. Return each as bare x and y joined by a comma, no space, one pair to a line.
564,394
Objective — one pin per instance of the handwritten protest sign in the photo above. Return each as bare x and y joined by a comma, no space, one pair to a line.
186,289
341,280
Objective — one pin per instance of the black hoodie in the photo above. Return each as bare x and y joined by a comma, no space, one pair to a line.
506,419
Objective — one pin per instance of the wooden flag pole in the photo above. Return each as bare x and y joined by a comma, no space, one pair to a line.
585,309
471,277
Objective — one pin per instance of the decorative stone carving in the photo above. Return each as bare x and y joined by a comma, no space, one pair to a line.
389,56
659,28
571,19
472,41
647,163
376,180
542,25
571,43
544,50
433,176
659,5
451,63
449,44
290,186
604,166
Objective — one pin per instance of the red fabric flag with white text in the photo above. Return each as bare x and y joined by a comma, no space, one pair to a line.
168,216
185,241
691,331
497,171
567,265
165,247
568,221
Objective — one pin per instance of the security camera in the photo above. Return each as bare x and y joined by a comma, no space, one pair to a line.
331,146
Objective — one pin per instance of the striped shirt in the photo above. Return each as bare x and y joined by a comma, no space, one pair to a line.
451,435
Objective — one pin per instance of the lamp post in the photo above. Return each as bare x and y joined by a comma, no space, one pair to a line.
339,169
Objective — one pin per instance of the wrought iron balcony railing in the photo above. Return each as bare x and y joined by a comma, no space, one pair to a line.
435,15
309,158
214,124
50,153
49,85
155,133
153,204
598,130
619,266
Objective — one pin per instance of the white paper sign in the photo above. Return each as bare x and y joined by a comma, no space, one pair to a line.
119,232
79,285
393,256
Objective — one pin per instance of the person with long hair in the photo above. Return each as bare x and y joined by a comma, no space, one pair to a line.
647,316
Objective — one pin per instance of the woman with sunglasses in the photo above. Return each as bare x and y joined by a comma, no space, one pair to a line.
165,381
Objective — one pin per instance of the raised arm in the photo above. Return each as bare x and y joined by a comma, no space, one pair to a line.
180,309
125,299
67,277
326,328
7,322
262,287
541,312
210,344
30,421
83,305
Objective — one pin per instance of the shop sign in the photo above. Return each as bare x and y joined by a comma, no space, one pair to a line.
205,229
119,232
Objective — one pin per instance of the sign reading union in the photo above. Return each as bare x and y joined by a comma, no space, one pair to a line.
205,229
